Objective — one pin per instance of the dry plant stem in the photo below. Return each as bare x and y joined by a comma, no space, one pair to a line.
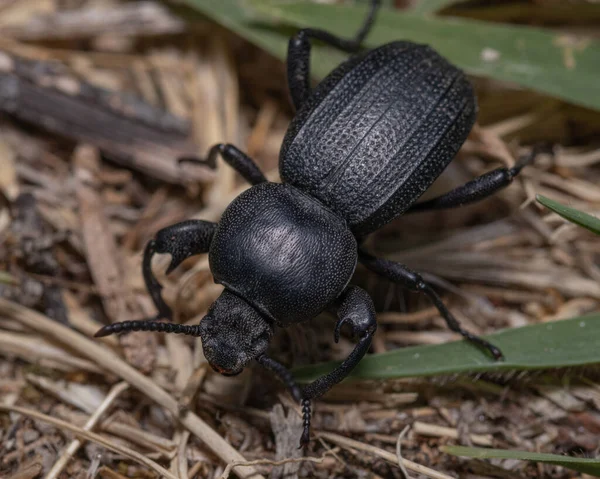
182,464
137,436
399,452
231,466
35,350
388,456
62,393
91,422
90,436
106,473
110,362
102,255
433,430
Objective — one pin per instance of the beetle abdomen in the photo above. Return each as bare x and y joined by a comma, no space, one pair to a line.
283,252
378,131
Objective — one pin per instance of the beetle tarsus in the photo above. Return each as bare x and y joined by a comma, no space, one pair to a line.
234,157
481,187
298,58
181,241
306,417
356,308
152,284
399,273
529,159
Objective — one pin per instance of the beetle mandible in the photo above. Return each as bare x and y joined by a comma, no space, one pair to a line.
363,146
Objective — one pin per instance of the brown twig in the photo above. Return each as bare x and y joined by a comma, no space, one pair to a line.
132,132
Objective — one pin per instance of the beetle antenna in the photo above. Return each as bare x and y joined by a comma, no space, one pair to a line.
148,325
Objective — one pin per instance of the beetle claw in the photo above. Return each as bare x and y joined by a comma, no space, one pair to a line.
176,260
338,328
304,439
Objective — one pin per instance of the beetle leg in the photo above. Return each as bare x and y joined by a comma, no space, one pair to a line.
402,275
298,58
181,241
235,158
479,188
355,307
286,377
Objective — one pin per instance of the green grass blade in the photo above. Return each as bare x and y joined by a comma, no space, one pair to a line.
234,15
570,342
535,58
574,216
587,466
427,7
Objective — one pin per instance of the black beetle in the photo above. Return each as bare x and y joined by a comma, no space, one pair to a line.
364,145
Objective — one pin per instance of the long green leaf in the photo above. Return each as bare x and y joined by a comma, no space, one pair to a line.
587,466
542,60
574,216
424,7
571,342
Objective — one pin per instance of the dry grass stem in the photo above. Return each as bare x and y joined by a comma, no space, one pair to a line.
388,456
399,452
230,467
434,430
70,451
90,436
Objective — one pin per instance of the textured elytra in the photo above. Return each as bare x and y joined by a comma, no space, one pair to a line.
283,252
378,131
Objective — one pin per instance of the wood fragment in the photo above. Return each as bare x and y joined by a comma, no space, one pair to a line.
131,132
286,429
129,19
101,250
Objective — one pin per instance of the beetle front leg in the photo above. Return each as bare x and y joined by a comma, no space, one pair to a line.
479,188
286,378
398,273
235,158
298,58
181,241
355,308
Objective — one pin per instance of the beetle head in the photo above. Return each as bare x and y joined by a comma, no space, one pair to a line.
233,334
